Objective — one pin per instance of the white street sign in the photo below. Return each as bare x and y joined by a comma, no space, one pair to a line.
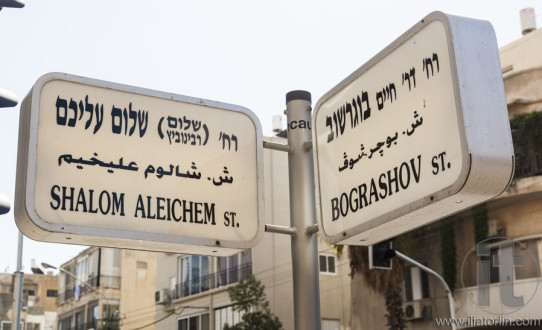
113,165
419,132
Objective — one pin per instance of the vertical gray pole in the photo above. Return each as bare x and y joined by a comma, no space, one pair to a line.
19,285
302,212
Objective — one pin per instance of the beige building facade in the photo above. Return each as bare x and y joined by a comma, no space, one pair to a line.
38,301
106,288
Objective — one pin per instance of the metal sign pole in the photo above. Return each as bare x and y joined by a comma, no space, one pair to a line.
302,212
18,285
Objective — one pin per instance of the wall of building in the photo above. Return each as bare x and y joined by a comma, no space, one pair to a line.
138,280
335,290
272,262
166,272
522,67
41,308
37,307
127,279
44,283
522,54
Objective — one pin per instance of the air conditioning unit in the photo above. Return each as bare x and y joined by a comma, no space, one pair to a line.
413,310
162,296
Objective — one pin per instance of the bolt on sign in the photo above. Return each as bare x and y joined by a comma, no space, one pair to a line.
113,165
419,132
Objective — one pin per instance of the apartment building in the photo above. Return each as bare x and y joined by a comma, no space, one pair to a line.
106,288
38,310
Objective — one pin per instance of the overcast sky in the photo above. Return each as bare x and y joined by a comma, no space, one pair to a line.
248,53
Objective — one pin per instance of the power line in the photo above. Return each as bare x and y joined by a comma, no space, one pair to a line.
135,320
152,323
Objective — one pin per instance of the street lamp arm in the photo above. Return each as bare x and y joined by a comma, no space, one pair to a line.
430,271
46,265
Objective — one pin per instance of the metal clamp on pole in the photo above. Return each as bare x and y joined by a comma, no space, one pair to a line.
277,146
292,231
312,229
302,212
307,146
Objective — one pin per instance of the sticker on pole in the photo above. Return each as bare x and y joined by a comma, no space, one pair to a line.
113,165
419,132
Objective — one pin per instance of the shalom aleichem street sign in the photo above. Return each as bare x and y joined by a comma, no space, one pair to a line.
113,165
419,132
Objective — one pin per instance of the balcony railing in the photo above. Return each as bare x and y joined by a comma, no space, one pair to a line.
527,139
92,325
110,281
66,295
212,281
528,165
104,282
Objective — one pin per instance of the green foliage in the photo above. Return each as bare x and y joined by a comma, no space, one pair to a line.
383,281
378,280
527,138
395,315
448,251
248,298
481,227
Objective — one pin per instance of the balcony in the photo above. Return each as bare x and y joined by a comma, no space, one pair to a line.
528,165
93,282
212,281
527,139
466,302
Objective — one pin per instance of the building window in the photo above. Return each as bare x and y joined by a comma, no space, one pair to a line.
194,274
32,326
67,283
524,255
93,266
231,269
81,270
65,323
92,317
110,268
200,273
32,293
226,315
52,293
416,284
328,264
6,325
141,268
331,324
110,315
80,320
197,322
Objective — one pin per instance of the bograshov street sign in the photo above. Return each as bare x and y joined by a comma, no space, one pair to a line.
113,165
419,132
